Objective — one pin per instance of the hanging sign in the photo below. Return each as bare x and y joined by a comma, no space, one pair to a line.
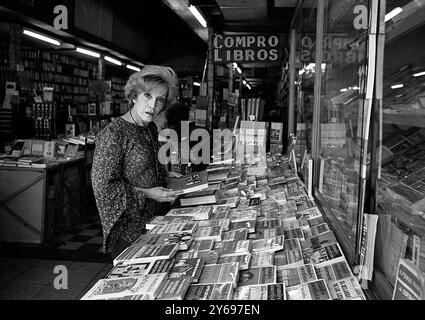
247,48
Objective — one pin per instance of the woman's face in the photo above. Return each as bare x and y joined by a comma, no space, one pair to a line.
148,104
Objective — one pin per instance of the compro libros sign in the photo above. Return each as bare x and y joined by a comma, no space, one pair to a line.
246,48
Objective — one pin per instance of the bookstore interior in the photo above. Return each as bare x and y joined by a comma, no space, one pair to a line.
312,181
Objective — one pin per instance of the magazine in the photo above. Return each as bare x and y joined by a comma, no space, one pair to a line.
140,254
174,288
272,244
125,269
243,260
217,291
315,290
262,259
293,276
291,255
261,292
187,267
220,273
257,275
346,289
198,212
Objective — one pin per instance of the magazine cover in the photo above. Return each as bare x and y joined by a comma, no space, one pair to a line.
187,267
315,290
161,266
258,275
262,259
272,244
235,235
218,291
346,289
261,292
183,239
243,260
120,287
174,288
292,254
188,227
125,269
333,271
219,273
198,212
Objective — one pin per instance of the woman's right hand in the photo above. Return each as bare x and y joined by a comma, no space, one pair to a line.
160,194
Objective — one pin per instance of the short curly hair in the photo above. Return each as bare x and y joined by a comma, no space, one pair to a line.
149,77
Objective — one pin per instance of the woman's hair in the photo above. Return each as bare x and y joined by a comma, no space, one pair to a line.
149,77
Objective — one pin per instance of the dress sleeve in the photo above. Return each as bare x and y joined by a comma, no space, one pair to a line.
113,195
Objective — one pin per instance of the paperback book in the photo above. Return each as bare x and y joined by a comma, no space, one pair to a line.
214,233
257,275
220,273
198,213
217,291
261,292
262,259
140,254
272,244
248,225
202,245
227,248
174,288
267,233
125,269
183,240
161,266
333,271
243,260
185,228
324,253
149,285
315,290
224,223
294,276
161,220
187,267
235,235
346,289
292,254
190,182
197,198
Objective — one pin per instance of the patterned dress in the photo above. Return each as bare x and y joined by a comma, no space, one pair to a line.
126,156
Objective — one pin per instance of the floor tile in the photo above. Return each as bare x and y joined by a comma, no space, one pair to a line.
37,275
50,293
9,273
81,276
96,240
82,239
53,263
64,237
81,225
17,261
90,233
20,291
71,246
88,265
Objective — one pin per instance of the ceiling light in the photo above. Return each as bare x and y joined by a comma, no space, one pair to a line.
244,82
112,60
343,90
198,16
41,37
248,86
419,74
132,68
88,52
235,65
393,13
397,86
239,70
197,84
301,72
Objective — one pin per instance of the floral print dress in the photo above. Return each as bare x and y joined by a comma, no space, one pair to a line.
126,156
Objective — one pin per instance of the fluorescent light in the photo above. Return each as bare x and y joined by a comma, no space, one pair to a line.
41,37
112,60
235,65
197,84
244,82
397,86
88,52
393,13
343,90
198,15
356,88
301,72
132,68
248,86
419,74
239,70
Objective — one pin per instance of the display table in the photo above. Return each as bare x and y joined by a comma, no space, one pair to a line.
36,204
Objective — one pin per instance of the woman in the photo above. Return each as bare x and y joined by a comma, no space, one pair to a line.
128,180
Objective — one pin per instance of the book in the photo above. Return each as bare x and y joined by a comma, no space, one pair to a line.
210,257
235,235
198,213
320,229
190,182
197,198
232,202
294,276
319,240
220,273
248,225
292,254
37,148
184,240
174,288
245,215
217,291
224,223
315,290
18,149
161,266
296,233
332,271
71,151
49,149
268,224
266,233
188,227
187,267
220,212
323,253
149,285
272,244
137,254
409,282
214,233
261,292
262,259
125,269
202,245
257,275
346,289
243,260
161,220
227,248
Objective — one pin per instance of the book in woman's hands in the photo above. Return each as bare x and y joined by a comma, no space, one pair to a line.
195,181
199,198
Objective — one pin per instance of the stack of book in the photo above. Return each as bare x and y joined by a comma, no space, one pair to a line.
273,244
